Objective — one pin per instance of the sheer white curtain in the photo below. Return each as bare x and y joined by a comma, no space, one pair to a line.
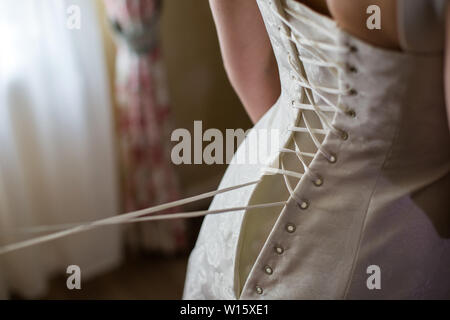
56,141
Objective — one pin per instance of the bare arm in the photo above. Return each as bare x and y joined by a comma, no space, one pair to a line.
247,54
447,63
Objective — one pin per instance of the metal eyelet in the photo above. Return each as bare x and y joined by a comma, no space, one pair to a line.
352,48
318,181
331,158
344,135
268,270
279,250
352,92
350,113
259,290
352,68
290,228
303,205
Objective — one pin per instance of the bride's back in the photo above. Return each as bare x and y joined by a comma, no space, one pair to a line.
400,20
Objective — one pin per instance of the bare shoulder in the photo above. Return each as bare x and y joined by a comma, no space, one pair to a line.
352,16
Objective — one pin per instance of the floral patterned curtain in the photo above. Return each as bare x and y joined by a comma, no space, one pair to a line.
144,121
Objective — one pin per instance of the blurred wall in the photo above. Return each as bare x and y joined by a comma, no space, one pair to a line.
198,85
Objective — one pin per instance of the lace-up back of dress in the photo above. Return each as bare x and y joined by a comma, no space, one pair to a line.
309,52
309,58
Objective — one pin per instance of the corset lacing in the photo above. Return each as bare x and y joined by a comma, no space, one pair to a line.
317,49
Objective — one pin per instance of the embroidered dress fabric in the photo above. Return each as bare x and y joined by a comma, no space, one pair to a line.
363,175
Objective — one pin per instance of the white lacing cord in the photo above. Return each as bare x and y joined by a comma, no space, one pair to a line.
140,216
319,58
299,155
313,48
321,61
132,217
319,112
304,106
170,216
307,20
294,174
303,82
312,43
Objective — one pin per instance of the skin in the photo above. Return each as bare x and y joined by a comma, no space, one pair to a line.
248,56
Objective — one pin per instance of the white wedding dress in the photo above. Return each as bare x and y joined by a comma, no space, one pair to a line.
364,170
